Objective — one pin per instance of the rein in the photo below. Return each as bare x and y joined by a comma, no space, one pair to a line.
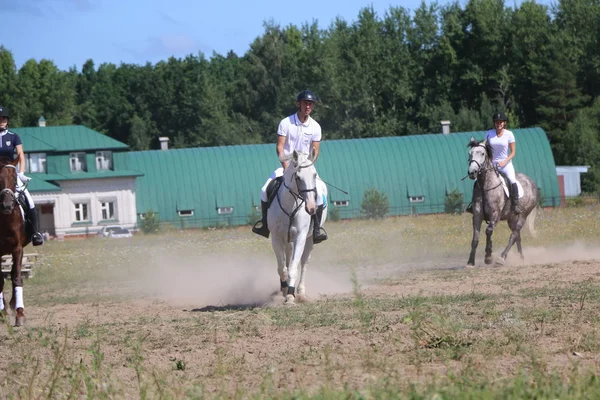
296,196
8,191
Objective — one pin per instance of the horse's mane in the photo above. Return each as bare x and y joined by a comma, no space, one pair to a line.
488,148
5,161
291,155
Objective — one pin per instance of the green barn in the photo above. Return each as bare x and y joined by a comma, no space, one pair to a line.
219,186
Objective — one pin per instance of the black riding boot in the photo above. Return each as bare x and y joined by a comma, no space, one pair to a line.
36,239
263,229
319,233
469,208
514,198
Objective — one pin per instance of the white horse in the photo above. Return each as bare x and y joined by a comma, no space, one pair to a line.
289,220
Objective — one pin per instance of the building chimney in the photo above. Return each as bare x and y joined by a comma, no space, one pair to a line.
42,122
164,142
445,127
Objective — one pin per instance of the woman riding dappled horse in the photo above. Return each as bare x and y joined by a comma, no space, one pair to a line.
297,132
504,149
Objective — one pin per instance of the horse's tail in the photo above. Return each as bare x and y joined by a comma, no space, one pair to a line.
531,221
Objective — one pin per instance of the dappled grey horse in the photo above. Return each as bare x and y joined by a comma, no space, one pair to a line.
491,202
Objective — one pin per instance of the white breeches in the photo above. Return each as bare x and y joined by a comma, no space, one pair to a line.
21,189
509,170
279,172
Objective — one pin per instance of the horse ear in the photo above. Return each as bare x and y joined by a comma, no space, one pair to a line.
15,162
472,142
295,156
313,153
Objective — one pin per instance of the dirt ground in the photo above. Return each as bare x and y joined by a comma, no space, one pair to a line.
230,335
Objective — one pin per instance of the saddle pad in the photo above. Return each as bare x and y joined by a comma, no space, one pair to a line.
507,191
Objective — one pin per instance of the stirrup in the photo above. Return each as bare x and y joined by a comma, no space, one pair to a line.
469,208
37,239
319,237
261,230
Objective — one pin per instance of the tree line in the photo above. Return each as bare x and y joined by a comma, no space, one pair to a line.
395,74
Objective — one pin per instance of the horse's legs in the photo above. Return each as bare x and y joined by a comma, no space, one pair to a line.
488,241
477,220
515,236
303,264
279,247
16,302
297,252
3,313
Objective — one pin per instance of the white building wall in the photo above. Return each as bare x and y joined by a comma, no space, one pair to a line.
572,178
91,191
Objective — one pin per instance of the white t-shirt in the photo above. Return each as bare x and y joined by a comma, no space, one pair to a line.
299,136
500,144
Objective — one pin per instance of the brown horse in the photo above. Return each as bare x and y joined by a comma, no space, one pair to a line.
12,237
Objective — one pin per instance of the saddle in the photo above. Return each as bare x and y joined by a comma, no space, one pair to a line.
273,188
506,185
24,205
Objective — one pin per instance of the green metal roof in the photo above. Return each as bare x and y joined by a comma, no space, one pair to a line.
40,185
203,179
95,175
67,138
32,144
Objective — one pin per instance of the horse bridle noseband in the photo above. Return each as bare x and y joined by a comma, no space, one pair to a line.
7,190
480,169
296,196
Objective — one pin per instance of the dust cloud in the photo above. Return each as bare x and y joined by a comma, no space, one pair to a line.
197,281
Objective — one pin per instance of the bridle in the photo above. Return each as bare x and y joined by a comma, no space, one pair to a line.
8,191
299,196
481,169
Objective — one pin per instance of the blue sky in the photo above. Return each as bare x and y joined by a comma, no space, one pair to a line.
69,32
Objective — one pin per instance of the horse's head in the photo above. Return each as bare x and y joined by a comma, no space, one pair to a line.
301,176
479,155
8,184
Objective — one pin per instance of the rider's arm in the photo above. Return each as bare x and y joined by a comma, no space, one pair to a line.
279,148
317,147
21,158
513,150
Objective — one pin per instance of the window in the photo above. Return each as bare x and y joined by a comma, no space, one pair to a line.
417,199
81,212
78,162
108,209
35,162
185,213
104,160
225,210
341,203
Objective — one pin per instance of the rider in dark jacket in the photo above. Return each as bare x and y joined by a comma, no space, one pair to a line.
10,143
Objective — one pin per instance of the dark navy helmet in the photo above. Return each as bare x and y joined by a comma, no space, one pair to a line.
4,112
306,95
499,116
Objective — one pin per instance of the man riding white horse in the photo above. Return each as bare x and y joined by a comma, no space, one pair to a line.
301,133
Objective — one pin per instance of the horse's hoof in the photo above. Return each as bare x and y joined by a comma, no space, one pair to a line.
20,317
302,298
488,260
499,262
290,300
469,266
